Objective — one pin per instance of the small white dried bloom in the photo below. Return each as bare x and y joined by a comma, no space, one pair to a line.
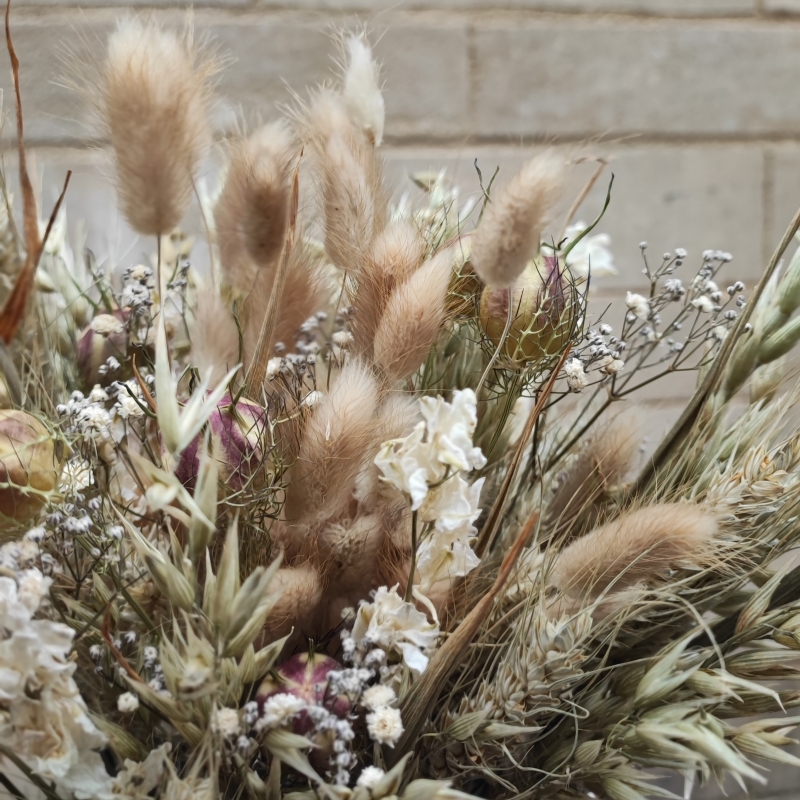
385,725
225,722
392,624
279,710
611,365
638,305
576,376
361,92
369,777
377,696
273,367
127,702
703,304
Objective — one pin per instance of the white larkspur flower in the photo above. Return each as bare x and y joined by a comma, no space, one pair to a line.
453,504
46,723
703,304
638,305
394,625
369,777
591,255
377,696
127,702
576,375
385,725
445,555
443,440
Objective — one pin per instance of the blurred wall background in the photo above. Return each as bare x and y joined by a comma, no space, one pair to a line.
697,102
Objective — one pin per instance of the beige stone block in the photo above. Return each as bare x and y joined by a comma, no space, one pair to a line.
583,77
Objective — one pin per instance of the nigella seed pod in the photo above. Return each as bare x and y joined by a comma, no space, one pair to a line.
237,443
306,677
105,337
29,466
542,310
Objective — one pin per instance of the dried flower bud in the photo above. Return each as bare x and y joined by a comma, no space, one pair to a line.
237,444
542,312
29,467
105,337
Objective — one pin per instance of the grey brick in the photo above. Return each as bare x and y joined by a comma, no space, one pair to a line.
578,78
782,6
698,197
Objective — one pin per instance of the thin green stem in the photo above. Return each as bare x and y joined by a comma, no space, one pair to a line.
413,569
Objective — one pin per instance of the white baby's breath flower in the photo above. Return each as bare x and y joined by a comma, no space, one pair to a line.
703,304
638,305
273,367
369,777
385,725
611,365
377,696
127,702
394,625
225,722
576,376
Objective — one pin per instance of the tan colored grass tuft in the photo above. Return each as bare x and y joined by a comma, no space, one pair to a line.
394,256
603,462
413,318
337,436
252,212
510,232
214,336
155,102
638,546
349,176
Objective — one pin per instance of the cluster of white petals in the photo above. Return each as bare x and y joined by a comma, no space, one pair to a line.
394,625
43,719
591,255
638,305
427,466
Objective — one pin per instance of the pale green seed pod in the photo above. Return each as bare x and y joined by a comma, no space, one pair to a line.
788,294
780,343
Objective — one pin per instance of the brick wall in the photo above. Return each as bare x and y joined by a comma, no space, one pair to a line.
696,101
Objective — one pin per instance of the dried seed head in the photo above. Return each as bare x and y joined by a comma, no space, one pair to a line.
509,234
640,545
252,212
603,461
361,92
413,318
542,311
337,436
215,339
155,101
350,180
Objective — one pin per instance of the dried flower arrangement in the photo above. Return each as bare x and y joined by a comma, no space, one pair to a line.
353,516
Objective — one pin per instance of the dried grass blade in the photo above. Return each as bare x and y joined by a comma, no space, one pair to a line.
421,699
486,539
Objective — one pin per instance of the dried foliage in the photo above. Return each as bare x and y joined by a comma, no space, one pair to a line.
360,517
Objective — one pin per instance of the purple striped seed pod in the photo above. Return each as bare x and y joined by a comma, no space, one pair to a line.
29,466
106,336
238,439
542,312
305,676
